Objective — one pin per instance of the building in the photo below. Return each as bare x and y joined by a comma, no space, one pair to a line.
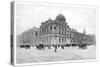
27,37
55,32
58,32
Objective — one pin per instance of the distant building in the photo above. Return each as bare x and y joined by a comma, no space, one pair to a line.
27,37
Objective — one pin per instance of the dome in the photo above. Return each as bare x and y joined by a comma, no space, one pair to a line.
61,17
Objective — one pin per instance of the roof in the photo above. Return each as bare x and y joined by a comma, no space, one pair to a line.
60,16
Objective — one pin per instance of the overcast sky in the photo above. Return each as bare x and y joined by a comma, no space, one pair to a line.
77,17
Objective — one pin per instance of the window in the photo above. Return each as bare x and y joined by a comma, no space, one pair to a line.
65,39
59,29
54,27
62,30
59,40
47,39
43,31
50,27
62,39
47,30
65,31
36,34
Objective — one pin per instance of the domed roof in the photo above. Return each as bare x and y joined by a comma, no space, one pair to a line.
60,17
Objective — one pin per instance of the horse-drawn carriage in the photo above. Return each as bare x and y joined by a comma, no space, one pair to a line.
83,46
25,46
40,46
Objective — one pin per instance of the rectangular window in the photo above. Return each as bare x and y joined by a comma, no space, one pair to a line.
65,39
59,30
54,27
50,27
59,40
62,39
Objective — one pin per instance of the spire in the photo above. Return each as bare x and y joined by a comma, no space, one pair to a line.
49,18
84,31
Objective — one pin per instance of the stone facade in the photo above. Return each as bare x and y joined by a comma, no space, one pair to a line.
55,32
58,32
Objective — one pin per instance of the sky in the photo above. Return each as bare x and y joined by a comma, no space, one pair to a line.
77,17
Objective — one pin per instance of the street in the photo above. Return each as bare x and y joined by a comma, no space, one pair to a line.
33,55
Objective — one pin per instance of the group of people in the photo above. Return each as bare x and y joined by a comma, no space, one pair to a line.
42,46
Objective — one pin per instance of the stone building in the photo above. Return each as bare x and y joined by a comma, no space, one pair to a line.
58,32
55,32
27,37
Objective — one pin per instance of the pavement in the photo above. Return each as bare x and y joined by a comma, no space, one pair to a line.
33,55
